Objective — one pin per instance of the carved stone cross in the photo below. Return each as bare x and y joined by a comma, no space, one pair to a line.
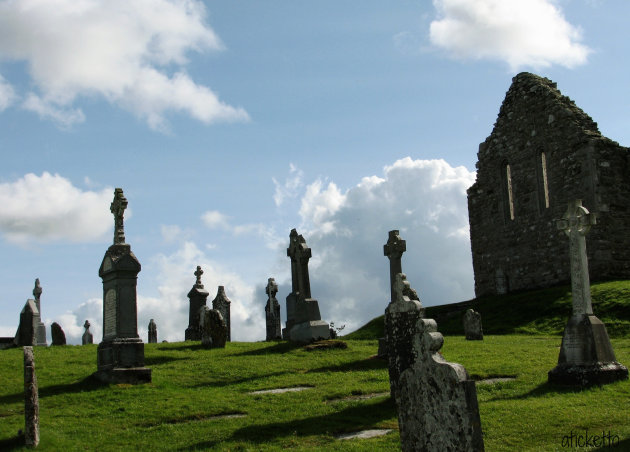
576,223
86,325
37,290
272,288
299,254
394,249
118,206
198,274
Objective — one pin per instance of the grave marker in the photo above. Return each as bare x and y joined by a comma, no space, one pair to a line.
87,337
31,400
472,326
222,304
213,328
40,328
198,297
272,312
152,339
57,334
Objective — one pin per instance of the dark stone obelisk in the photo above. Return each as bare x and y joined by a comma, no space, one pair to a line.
120,355
198,297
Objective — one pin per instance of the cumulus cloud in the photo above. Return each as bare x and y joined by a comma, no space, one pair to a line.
48,207
426,201
132,54
291,186
7,94
521,33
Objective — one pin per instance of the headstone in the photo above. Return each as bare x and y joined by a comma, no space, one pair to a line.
26,334
120,356
213,328
152,332
40,331
57,334
472,326
272,312
437,408
222,304
31,400
401,318
304,322
87,337
586,354
198,297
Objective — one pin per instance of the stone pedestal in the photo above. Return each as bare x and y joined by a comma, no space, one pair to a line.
198,297
586,355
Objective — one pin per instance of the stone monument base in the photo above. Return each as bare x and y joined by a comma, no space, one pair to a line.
311,330
586,355
192,334
121,360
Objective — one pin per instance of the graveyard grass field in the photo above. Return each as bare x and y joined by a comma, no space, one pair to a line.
192,387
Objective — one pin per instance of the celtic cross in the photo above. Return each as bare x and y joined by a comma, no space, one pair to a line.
394,249
118,206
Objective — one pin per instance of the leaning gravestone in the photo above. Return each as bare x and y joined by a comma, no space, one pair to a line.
57,334
213,328
152,339
437,408
120,356
272,312
40,328
198,297
586,354
31,400
401,319
222,304
472,326
304,322
87,337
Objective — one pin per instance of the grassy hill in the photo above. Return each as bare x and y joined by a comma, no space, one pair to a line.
542,311
202,399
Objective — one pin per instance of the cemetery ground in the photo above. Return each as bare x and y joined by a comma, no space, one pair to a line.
202,399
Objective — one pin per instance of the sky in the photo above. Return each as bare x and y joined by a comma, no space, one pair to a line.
227,124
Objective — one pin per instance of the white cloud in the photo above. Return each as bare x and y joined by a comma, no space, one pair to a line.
214,219
521,33
7,94
130,53
48,207
290,188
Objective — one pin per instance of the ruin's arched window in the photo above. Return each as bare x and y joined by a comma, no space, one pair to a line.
545,185
506,177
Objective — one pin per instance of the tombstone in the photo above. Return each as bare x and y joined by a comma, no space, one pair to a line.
120,356
26,334
222,304
437,408
87,337
152,332
272,312
401,318
304,322
586,354
213,328
31,400
40,332
57,334
472,326
198,297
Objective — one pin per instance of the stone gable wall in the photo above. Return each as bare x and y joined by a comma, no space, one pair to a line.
536,118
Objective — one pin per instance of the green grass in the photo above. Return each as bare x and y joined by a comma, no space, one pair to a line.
191,386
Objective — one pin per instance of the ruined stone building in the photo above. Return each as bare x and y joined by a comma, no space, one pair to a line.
543,152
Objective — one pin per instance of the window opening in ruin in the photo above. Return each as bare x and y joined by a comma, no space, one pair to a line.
508,179
543,164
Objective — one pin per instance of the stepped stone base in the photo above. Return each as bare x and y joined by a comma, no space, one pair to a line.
588,375
311,330
122,361
129,375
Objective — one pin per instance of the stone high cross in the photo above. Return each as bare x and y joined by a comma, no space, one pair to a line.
299,254
118,206
272,288
37,290
394,249
576,223
198,274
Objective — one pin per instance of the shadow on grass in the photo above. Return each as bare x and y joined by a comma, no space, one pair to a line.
163,359
223,382
13,443
364,364
614,445
347,420
278,347
540,391
187,345
89,383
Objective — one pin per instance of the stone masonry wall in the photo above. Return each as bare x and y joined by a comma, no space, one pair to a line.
527,251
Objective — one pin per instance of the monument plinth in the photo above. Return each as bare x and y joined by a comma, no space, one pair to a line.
586,354
120,356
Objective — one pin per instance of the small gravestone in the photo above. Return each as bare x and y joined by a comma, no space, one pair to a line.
213,328
120,356
57,334
437,408
40,328
222,304
586,354
87,337
152,332
198,297
26,334
401,319
31,400
272,312
304,321
472,326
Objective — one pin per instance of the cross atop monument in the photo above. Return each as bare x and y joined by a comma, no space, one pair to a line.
394,249
576,223
198,274
37,291
272,288
87,325
118,206
299,253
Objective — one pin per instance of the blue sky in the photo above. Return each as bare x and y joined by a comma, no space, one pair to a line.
229,123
